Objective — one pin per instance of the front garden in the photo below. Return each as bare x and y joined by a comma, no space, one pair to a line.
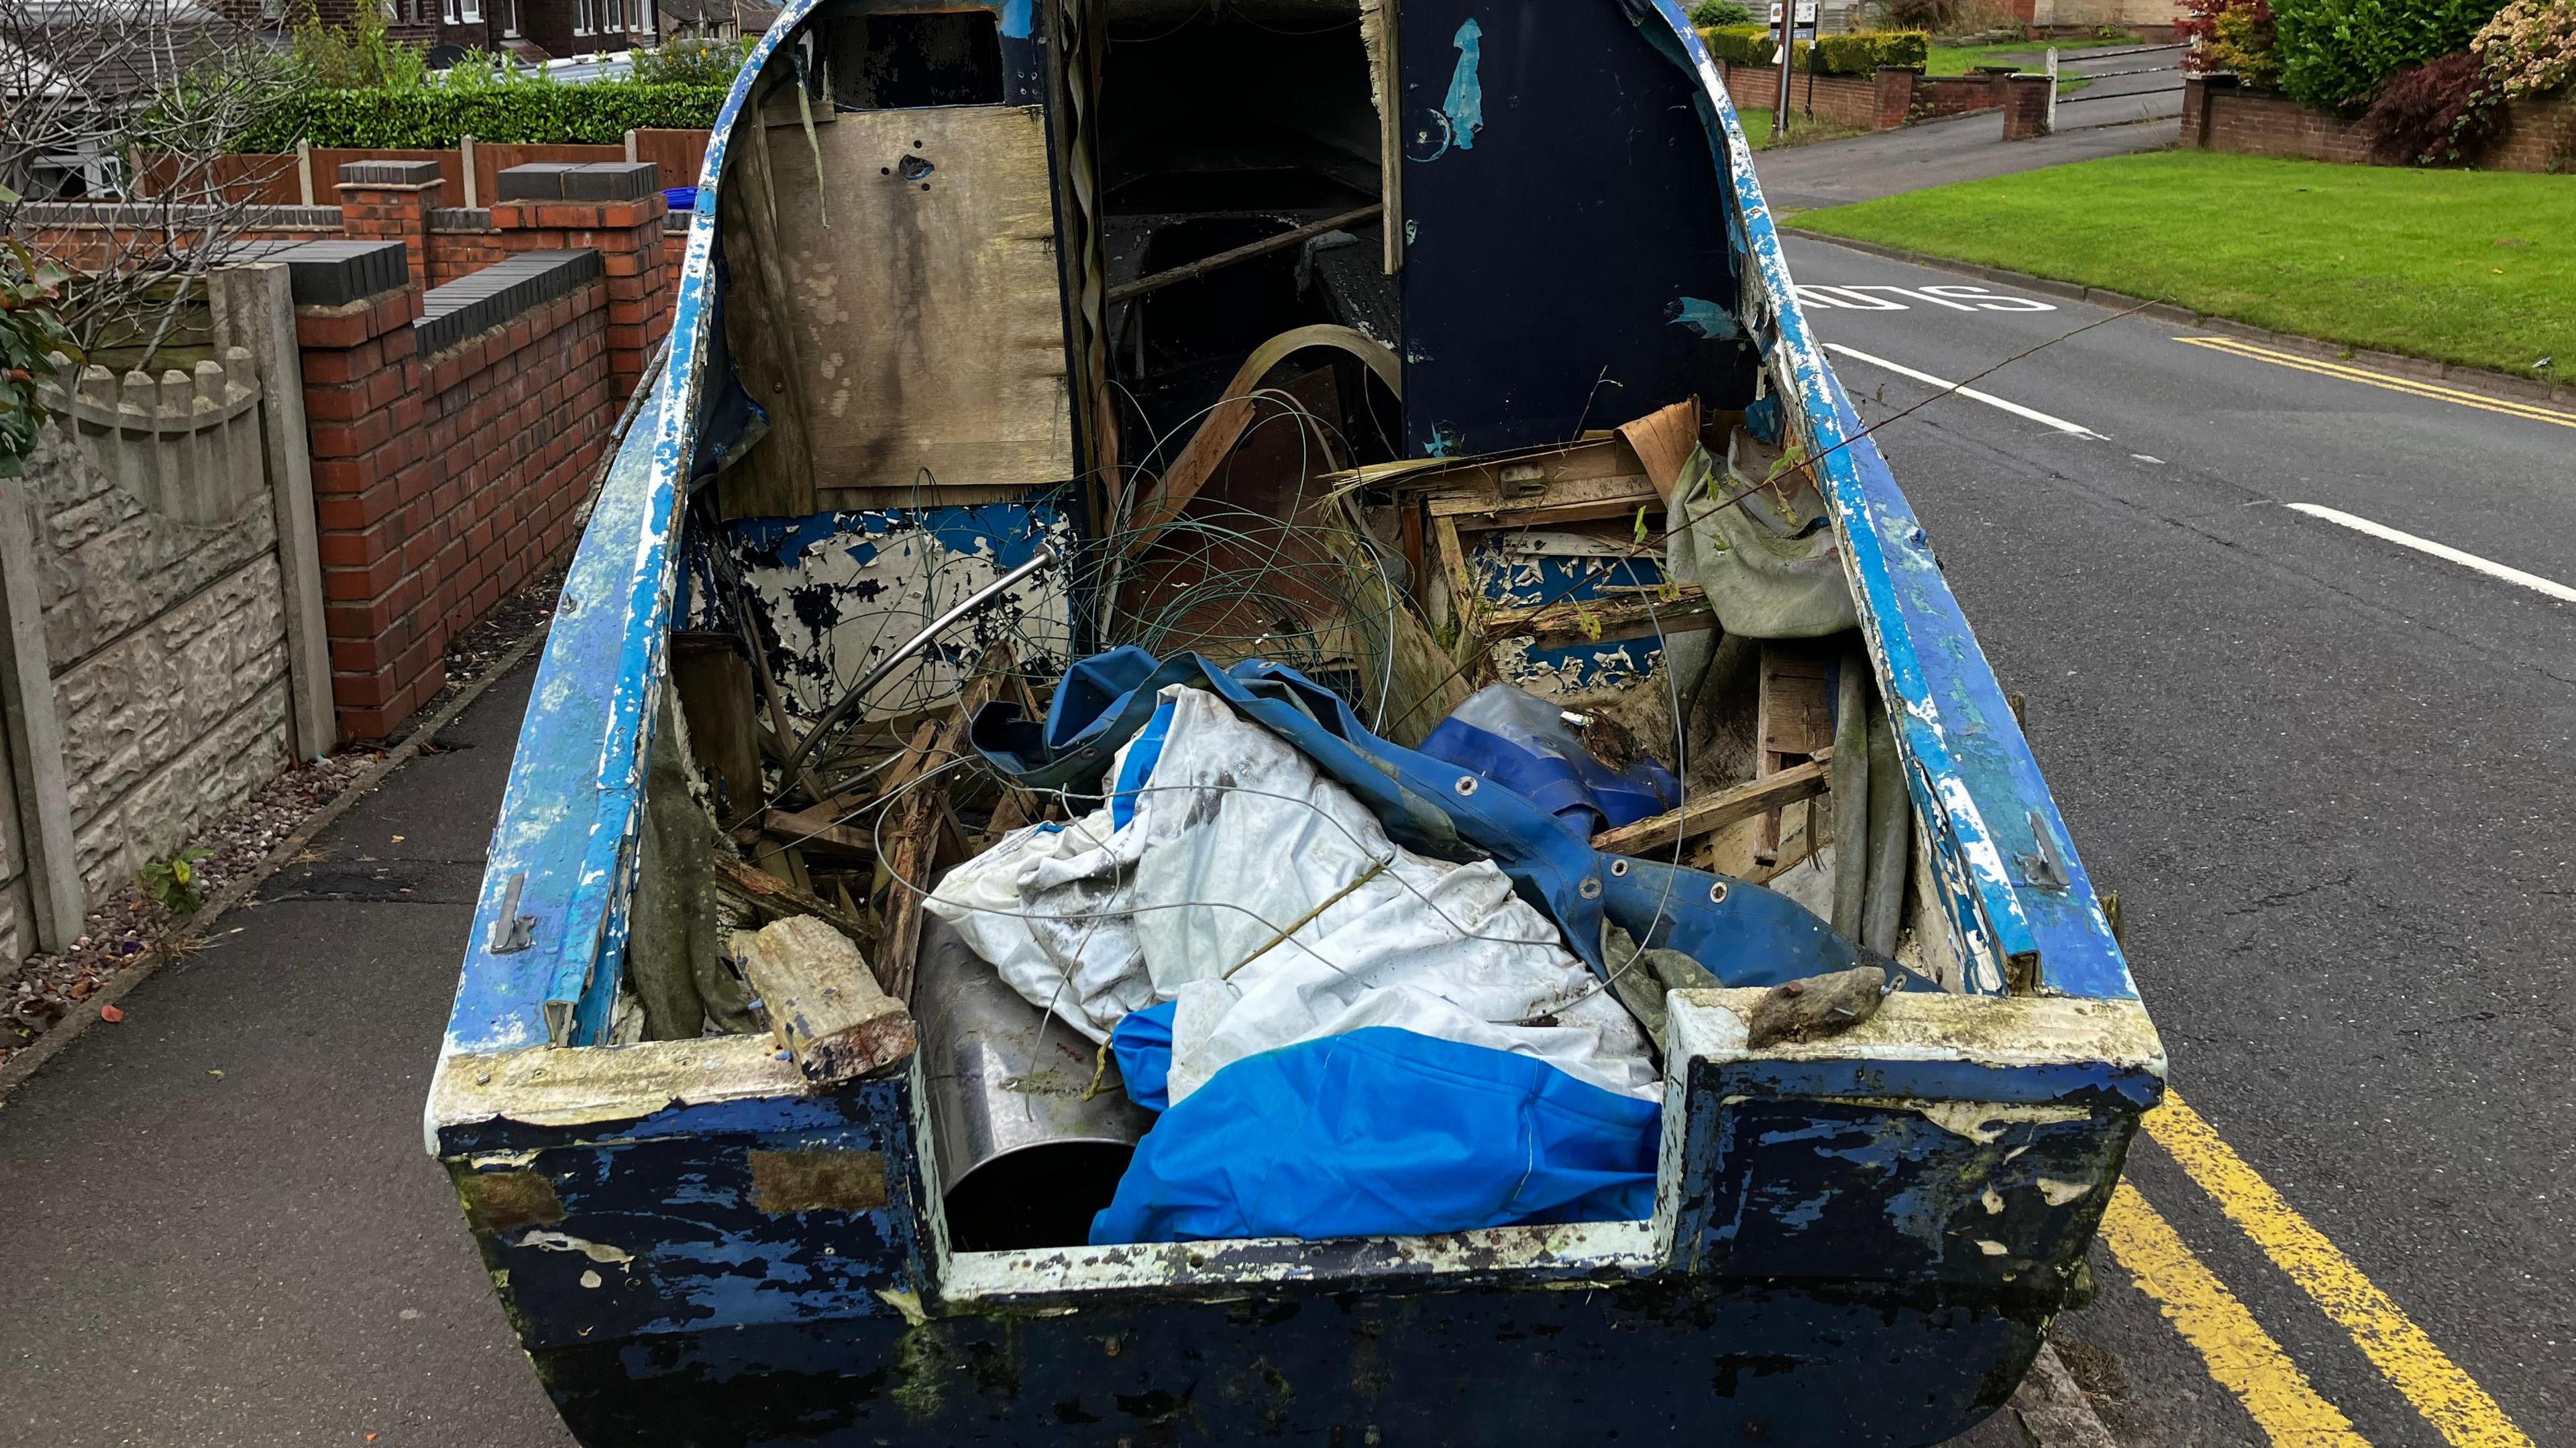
2423,81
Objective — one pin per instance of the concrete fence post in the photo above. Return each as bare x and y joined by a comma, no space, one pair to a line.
35,730
255,310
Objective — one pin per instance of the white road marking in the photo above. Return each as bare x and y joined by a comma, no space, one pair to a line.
2142,457
1958,298
2071,429
2443,551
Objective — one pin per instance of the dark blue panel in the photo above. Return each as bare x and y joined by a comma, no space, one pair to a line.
1564,220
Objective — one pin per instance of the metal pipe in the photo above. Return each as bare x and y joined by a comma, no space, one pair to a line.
1027,1144
850,699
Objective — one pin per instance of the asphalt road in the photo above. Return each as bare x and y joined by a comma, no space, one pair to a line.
2328,775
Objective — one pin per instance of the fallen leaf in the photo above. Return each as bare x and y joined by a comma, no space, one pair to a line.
218,1075
110,1014
398,839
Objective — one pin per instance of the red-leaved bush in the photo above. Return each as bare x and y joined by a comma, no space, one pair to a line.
2434,114
2231,35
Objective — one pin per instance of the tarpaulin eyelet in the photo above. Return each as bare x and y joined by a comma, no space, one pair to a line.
1466,785
1619,868
1590,889
1717,893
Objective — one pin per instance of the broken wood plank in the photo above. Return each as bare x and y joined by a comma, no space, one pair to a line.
824,1004
1793,719
919,823
1596,619
1698,817
798,827
771,898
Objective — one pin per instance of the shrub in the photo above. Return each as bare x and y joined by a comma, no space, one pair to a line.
436,117
2529,48
2433,114
707,60
360,55
1860,54
2233,35
30,333
2335,53
1710,14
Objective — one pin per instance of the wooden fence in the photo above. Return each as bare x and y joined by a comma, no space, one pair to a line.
307,177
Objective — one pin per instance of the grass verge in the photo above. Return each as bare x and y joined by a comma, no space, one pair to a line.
2472,267
1803,131
1961,59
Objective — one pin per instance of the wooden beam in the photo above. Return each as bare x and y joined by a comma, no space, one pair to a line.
1129,291
797,827
823,1004
1698,817
1615,618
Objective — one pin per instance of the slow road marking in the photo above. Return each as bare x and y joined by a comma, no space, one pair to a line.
2447,1397
2241,1356
2389,381
2071,429
2443,551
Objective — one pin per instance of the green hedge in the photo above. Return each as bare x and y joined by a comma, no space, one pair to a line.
1860,54
434,117
2334,53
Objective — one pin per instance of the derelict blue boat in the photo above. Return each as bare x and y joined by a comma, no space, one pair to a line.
1416,346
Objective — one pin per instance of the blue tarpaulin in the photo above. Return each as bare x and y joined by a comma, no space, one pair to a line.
1383,1132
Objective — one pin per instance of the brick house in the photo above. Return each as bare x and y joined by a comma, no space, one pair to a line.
529,29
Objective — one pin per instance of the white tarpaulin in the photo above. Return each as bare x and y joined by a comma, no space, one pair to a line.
1235,836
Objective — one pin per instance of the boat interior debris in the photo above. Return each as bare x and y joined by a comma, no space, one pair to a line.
1268,636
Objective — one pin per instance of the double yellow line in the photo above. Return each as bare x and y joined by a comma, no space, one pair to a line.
2529,412
2244,1358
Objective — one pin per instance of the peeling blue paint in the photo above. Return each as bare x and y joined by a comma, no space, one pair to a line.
1465,106
1018,18
1705,319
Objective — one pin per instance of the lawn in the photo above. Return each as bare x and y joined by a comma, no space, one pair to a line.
1961,59
2471,267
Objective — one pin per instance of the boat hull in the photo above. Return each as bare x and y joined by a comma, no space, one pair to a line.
1687,1361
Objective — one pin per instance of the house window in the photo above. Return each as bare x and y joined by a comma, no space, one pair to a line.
509,17
582,23
471,11
453,15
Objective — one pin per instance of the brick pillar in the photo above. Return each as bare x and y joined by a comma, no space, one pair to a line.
2197,93
372,478
1895,99
391,201
614,208
2026,106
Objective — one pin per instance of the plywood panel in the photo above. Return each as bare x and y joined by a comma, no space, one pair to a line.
925,307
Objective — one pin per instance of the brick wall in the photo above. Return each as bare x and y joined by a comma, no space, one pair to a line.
452,433
2537,136
2026,106
1881,102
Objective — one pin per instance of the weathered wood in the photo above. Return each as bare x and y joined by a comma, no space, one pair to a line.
1792,720
1698,817
1613,618
798,827
716,692
1225,423
918,825
1129,291
1851,794
771,898
926,311
824,1005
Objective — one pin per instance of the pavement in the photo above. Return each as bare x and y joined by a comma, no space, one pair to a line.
221,1229
2115,116
2326,773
